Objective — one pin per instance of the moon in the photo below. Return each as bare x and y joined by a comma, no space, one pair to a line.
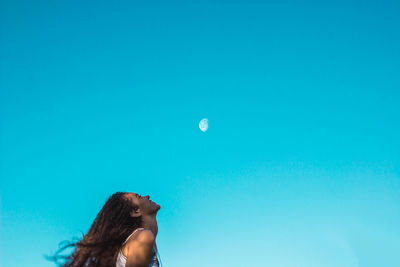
203,125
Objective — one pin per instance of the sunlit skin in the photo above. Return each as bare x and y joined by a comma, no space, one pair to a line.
139,247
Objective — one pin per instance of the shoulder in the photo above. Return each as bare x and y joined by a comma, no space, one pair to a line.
145,236
142,236
139,248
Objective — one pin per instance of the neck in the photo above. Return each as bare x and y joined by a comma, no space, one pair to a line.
150,222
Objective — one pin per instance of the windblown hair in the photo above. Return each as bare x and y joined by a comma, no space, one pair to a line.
100,245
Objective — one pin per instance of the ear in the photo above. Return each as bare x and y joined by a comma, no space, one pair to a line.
136,213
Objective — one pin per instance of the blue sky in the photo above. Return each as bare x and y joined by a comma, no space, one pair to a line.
299,166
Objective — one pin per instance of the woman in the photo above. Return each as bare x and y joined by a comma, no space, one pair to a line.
122,235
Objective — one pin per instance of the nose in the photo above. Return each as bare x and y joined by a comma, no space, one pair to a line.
148,197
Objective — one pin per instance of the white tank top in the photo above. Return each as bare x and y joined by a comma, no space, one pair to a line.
121,259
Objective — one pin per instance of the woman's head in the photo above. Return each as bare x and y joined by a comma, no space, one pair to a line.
119,217
144,205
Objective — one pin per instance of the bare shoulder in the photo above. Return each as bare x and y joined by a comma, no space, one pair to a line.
142,236
143,239
145,236
139,248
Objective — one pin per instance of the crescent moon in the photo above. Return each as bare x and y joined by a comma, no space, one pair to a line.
203,125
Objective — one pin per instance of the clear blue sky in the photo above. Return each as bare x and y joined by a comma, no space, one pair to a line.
300,166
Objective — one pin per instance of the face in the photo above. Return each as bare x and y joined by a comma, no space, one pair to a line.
146,206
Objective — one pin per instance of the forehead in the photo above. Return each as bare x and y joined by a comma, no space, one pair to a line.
130,195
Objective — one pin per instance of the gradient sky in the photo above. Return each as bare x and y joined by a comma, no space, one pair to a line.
300,166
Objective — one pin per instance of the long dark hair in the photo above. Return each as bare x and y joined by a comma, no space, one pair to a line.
100,245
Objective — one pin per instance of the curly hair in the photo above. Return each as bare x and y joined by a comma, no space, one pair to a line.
99,246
